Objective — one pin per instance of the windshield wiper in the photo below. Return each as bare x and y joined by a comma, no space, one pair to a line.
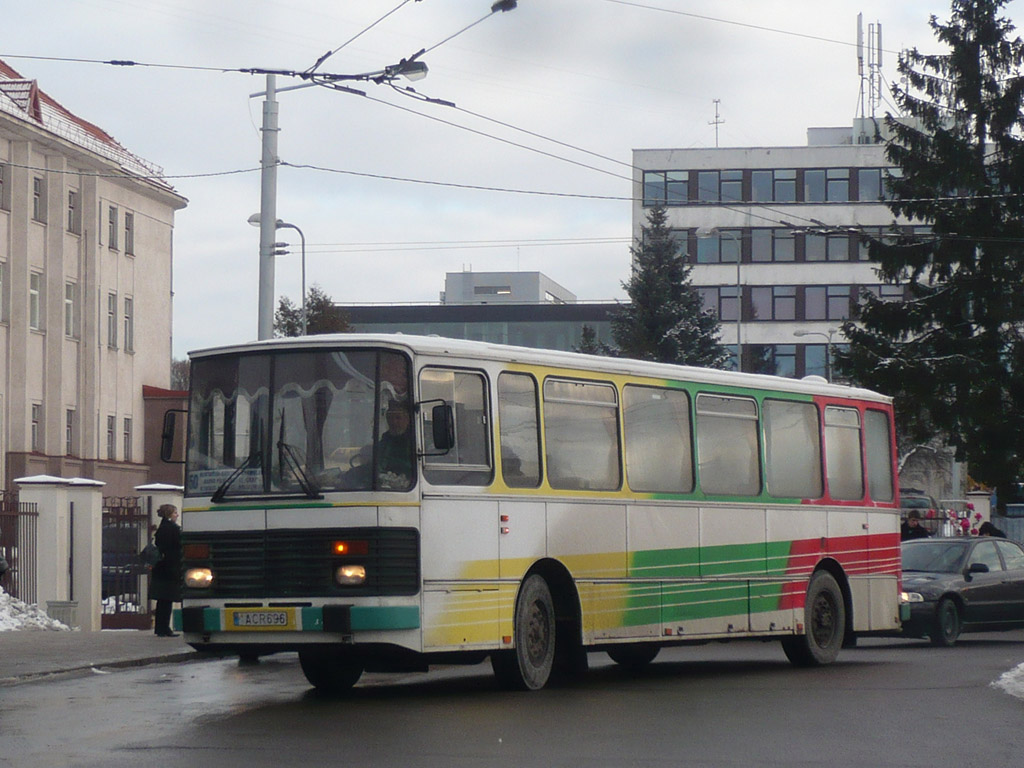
253,460
309,486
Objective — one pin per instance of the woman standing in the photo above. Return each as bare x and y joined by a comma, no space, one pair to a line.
165,584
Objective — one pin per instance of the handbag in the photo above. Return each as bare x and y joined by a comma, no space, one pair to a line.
150,554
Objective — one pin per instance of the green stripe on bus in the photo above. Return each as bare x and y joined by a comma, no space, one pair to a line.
366,617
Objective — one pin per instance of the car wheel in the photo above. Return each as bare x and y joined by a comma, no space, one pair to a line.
824,624
947,625
528,666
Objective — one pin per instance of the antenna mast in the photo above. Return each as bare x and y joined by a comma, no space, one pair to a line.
717,121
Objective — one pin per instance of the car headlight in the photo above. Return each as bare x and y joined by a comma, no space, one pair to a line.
198,578
350,575
911,597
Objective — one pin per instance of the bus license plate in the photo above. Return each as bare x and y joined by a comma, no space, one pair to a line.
262,619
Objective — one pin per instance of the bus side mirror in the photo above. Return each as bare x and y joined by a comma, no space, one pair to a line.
170,444
443,421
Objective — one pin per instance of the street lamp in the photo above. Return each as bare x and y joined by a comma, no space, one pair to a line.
827,335
255,221
738,239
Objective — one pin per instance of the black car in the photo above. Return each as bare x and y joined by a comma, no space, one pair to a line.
962,584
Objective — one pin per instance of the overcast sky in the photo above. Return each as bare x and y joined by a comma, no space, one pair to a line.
601,77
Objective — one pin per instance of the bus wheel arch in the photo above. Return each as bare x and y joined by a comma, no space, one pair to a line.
547,631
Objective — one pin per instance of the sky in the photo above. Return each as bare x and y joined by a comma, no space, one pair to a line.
528,171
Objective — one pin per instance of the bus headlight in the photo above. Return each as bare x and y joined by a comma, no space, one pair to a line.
350,575
198,578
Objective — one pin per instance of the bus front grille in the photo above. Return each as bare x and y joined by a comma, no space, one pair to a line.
302,563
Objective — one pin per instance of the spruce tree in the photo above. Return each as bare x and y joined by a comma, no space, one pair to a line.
321,315
665,320
952,352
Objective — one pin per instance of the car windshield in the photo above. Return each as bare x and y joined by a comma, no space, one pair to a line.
934,556
298,422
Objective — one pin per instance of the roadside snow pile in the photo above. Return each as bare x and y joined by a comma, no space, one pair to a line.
15,614
1012,682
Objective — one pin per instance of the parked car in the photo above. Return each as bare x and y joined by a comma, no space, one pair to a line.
962,584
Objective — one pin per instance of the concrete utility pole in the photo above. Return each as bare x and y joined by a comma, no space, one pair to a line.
268,211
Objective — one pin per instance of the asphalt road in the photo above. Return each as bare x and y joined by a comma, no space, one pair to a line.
884,703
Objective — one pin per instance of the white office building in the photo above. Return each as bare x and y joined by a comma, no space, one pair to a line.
86,232
781,227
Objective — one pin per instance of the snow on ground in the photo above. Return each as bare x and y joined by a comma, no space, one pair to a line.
1012,682
14,614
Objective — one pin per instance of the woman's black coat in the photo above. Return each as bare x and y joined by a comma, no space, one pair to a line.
166,581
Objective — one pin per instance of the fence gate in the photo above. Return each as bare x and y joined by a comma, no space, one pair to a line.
125,579
18,546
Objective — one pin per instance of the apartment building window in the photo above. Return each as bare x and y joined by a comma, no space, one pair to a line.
129,325
127,438
35,301
69,432
74,213
36,431
129,233
774,302
70,313
112,320
112,227
5,198
111,438
39,199
3,292
666,188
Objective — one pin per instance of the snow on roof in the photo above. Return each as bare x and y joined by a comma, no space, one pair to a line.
24,99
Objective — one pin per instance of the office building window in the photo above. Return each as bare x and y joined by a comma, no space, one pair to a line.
127,439
666,188
776,302
35,301
827,302
74,213
39,199
129,233
129,325
36,431
112,227
69,432
722,301
111,438
723,247
70,315
112,320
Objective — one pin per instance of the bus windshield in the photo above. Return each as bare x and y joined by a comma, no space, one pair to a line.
300,422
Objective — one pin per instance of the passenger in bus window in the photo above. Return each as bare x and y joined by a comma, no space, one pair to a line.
394,450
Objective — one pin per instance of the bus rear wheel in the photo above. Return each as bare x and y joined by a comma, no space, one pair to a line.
329,672
528,665
824,624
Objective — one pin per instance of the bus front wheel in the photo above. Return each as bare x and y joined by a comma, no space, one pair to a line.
824,624
528,665
329,672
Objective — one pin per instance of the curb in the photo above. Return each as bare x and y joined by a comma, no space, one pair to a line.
29,677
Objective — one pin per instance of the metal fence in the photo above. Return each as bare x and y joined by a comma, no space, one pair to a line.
124,576
18,525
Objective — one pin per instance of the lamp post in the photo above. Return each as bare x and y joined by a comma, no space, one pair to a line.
738,239
255,221
827,335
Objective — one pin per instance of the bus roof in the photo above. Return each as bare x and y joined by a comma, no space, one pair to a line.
481,350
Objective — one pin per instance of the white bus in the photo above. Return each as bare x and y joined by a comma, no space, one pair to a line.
385,502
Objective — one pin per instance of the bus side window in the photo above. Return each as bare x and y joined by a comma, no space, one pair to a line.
792,446
659,456
878,438
468,462
842,453
727,449
581,435
519,427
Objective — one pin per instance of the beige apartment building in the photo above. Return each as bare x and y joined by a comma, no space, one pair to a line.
86,246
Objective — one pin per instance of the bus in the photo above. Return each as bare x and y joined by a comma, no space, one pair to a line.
384,502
